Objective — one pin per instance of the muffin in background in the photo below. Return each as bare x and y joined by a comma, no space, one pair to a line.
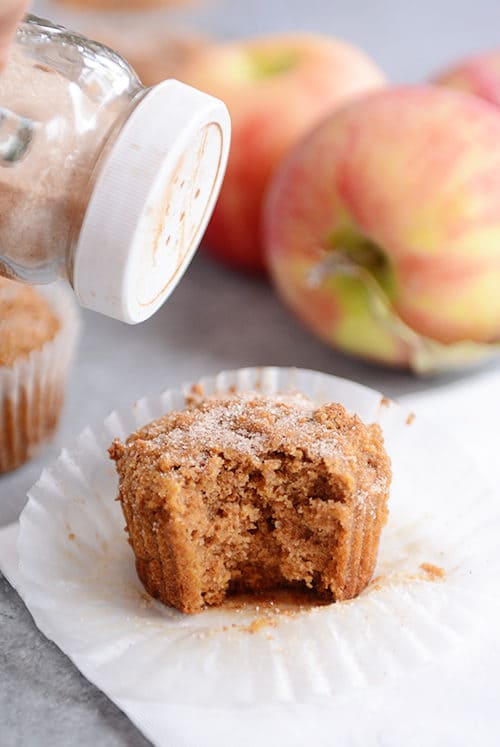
38,331
123,5
164,53
157,37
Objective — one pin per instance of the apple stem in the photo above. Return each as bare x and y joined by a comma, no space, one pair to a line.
427,357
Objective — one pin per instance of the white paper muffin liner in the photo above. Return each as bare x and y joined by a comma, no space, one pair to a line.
32,389
78,576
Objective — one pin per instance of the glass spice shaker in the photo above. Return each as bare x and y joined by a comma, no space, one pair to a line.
102,181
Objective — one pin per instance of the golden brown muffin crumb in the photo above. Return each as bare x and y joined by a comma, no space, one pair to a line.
26,321
433,572
252,492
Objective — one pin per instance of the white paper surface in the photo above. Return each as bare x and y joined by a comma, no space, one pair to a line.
470,410
211,724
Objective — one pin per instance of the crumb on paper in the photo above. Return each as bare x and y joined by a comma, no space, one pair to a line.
71,536
377,583
254,626
385,402
258,624
433,572
267,612
410,418
428,572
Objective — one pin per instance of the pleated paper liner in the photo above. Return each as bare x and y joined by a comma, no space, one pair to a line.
434,584
32,389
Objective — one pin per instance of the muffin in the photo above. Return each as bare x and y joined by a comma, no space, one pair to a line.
155,53
37,335
251,492
124,5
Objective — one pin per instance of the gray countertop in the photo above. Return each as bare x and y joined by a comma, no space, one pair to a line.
215,320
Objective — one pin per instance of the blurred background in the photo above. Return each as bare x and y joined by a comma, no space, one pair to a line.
409,40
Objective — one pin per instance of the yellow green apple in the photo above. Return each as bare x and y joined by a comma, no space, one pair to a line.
276,88
382,227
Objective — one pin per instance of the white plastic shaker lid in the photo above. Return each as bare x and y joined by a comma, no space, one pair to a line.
152,199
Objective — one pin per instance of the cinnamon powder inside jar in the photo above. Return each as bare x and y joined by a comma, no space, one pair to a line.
43,195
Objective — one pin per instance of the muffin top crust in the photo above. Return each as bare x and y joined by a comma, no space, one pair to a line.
258,428
27,321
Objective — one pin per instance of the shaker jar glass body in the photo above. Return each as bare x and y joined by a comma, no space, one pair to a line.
61,96
102,180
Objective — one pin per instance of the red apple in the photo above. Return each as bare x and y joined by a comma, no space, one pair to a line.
276,88
382,227
479,75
